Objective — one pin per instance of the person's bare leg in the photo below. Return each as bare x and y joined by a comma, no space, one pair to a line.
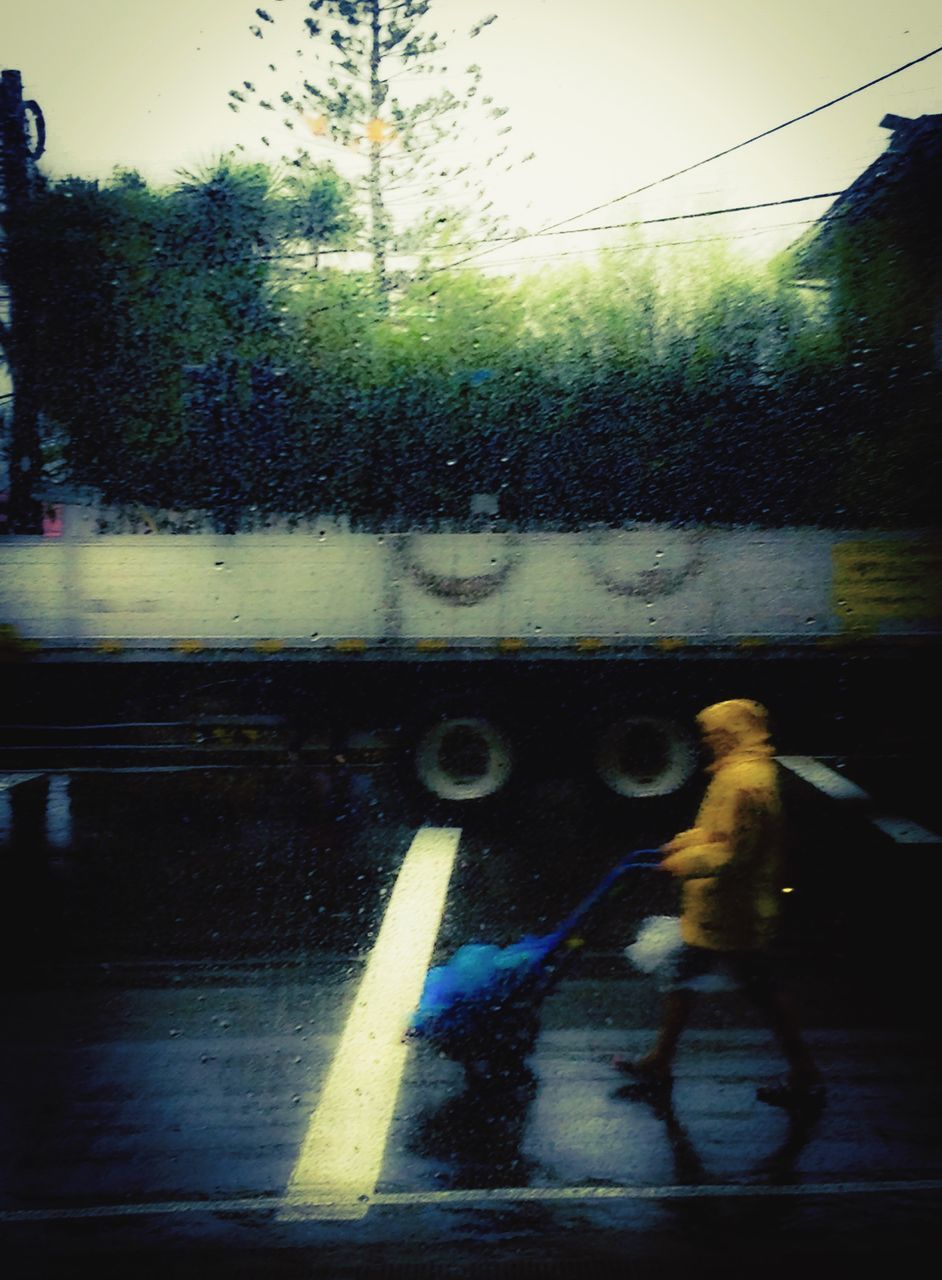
803,1071
677,1008
659,1059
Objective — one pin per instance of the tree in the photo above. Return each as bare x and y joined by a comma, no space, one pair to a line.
160,321
358,50
252,217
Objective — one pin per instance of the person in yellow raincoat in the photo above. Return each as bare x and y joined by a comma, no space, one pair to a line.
730,868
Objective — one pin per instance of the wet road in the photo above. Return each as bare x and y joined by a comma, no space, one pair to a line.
187,962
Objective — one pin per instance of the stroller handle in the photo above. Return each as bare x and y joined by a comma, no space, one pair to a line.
634,861
634,858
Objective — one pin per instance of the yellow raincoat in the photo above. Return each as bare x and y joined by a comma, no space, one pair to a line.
731,861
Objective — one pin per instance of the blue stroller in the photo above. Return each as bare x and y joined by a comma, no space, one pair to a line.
481,1008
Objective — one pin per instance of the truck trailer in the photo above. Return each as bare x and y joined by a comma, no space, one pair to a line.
476,657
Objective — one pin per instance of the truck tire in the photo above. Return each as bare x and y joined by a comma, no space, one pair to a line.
463,759
645,756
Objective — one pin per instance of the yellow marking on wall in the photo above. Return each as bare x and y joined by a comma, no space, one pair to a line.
669,643
432,646
342,1153
511,644
109,646
268,646
589,644
354,645
874,581
13,644
188,646
751,642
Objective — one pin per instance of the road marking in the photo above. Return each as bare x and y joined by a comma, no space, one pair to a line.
7,783
341,1156
483,1196
683,1191
836,787
10,780
828,781
904,830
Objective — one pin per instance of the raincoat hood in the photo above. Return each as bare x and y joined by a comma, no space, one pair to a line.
742,728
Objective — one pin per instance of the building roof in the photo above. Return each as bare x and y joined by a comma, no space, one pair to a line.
903,183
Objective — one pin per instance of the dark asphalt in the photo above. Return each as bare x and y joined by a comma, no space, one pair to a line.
174,1000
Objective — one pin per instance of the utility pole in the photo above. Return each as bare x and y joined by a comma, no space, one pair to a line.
18,153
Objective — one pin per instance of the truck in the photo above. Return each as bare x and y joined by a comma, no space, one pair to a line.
474,657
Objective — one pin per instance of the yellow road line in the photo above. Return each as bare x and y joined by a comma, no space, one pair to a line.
339,1164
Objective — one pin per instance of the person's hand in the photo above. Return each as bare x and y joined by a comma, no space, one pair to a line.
683,839
666,850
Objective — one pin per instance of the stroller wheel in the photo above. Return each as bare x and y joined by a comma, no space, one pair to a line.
498,1075
502,1064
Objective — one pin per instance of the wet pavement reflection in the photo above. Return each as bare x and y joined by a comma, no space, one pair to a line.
476,1134
777,1166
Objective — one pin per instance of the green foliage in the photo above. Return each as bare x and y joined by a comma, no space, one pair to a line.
134,292
191,365
641,389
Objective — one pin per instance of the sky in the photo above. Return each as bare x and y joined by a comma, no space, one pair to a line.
609,94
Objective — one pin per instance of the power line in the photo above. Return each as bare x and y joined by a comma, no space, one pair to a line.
655,244
573,231
682,217
718,155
